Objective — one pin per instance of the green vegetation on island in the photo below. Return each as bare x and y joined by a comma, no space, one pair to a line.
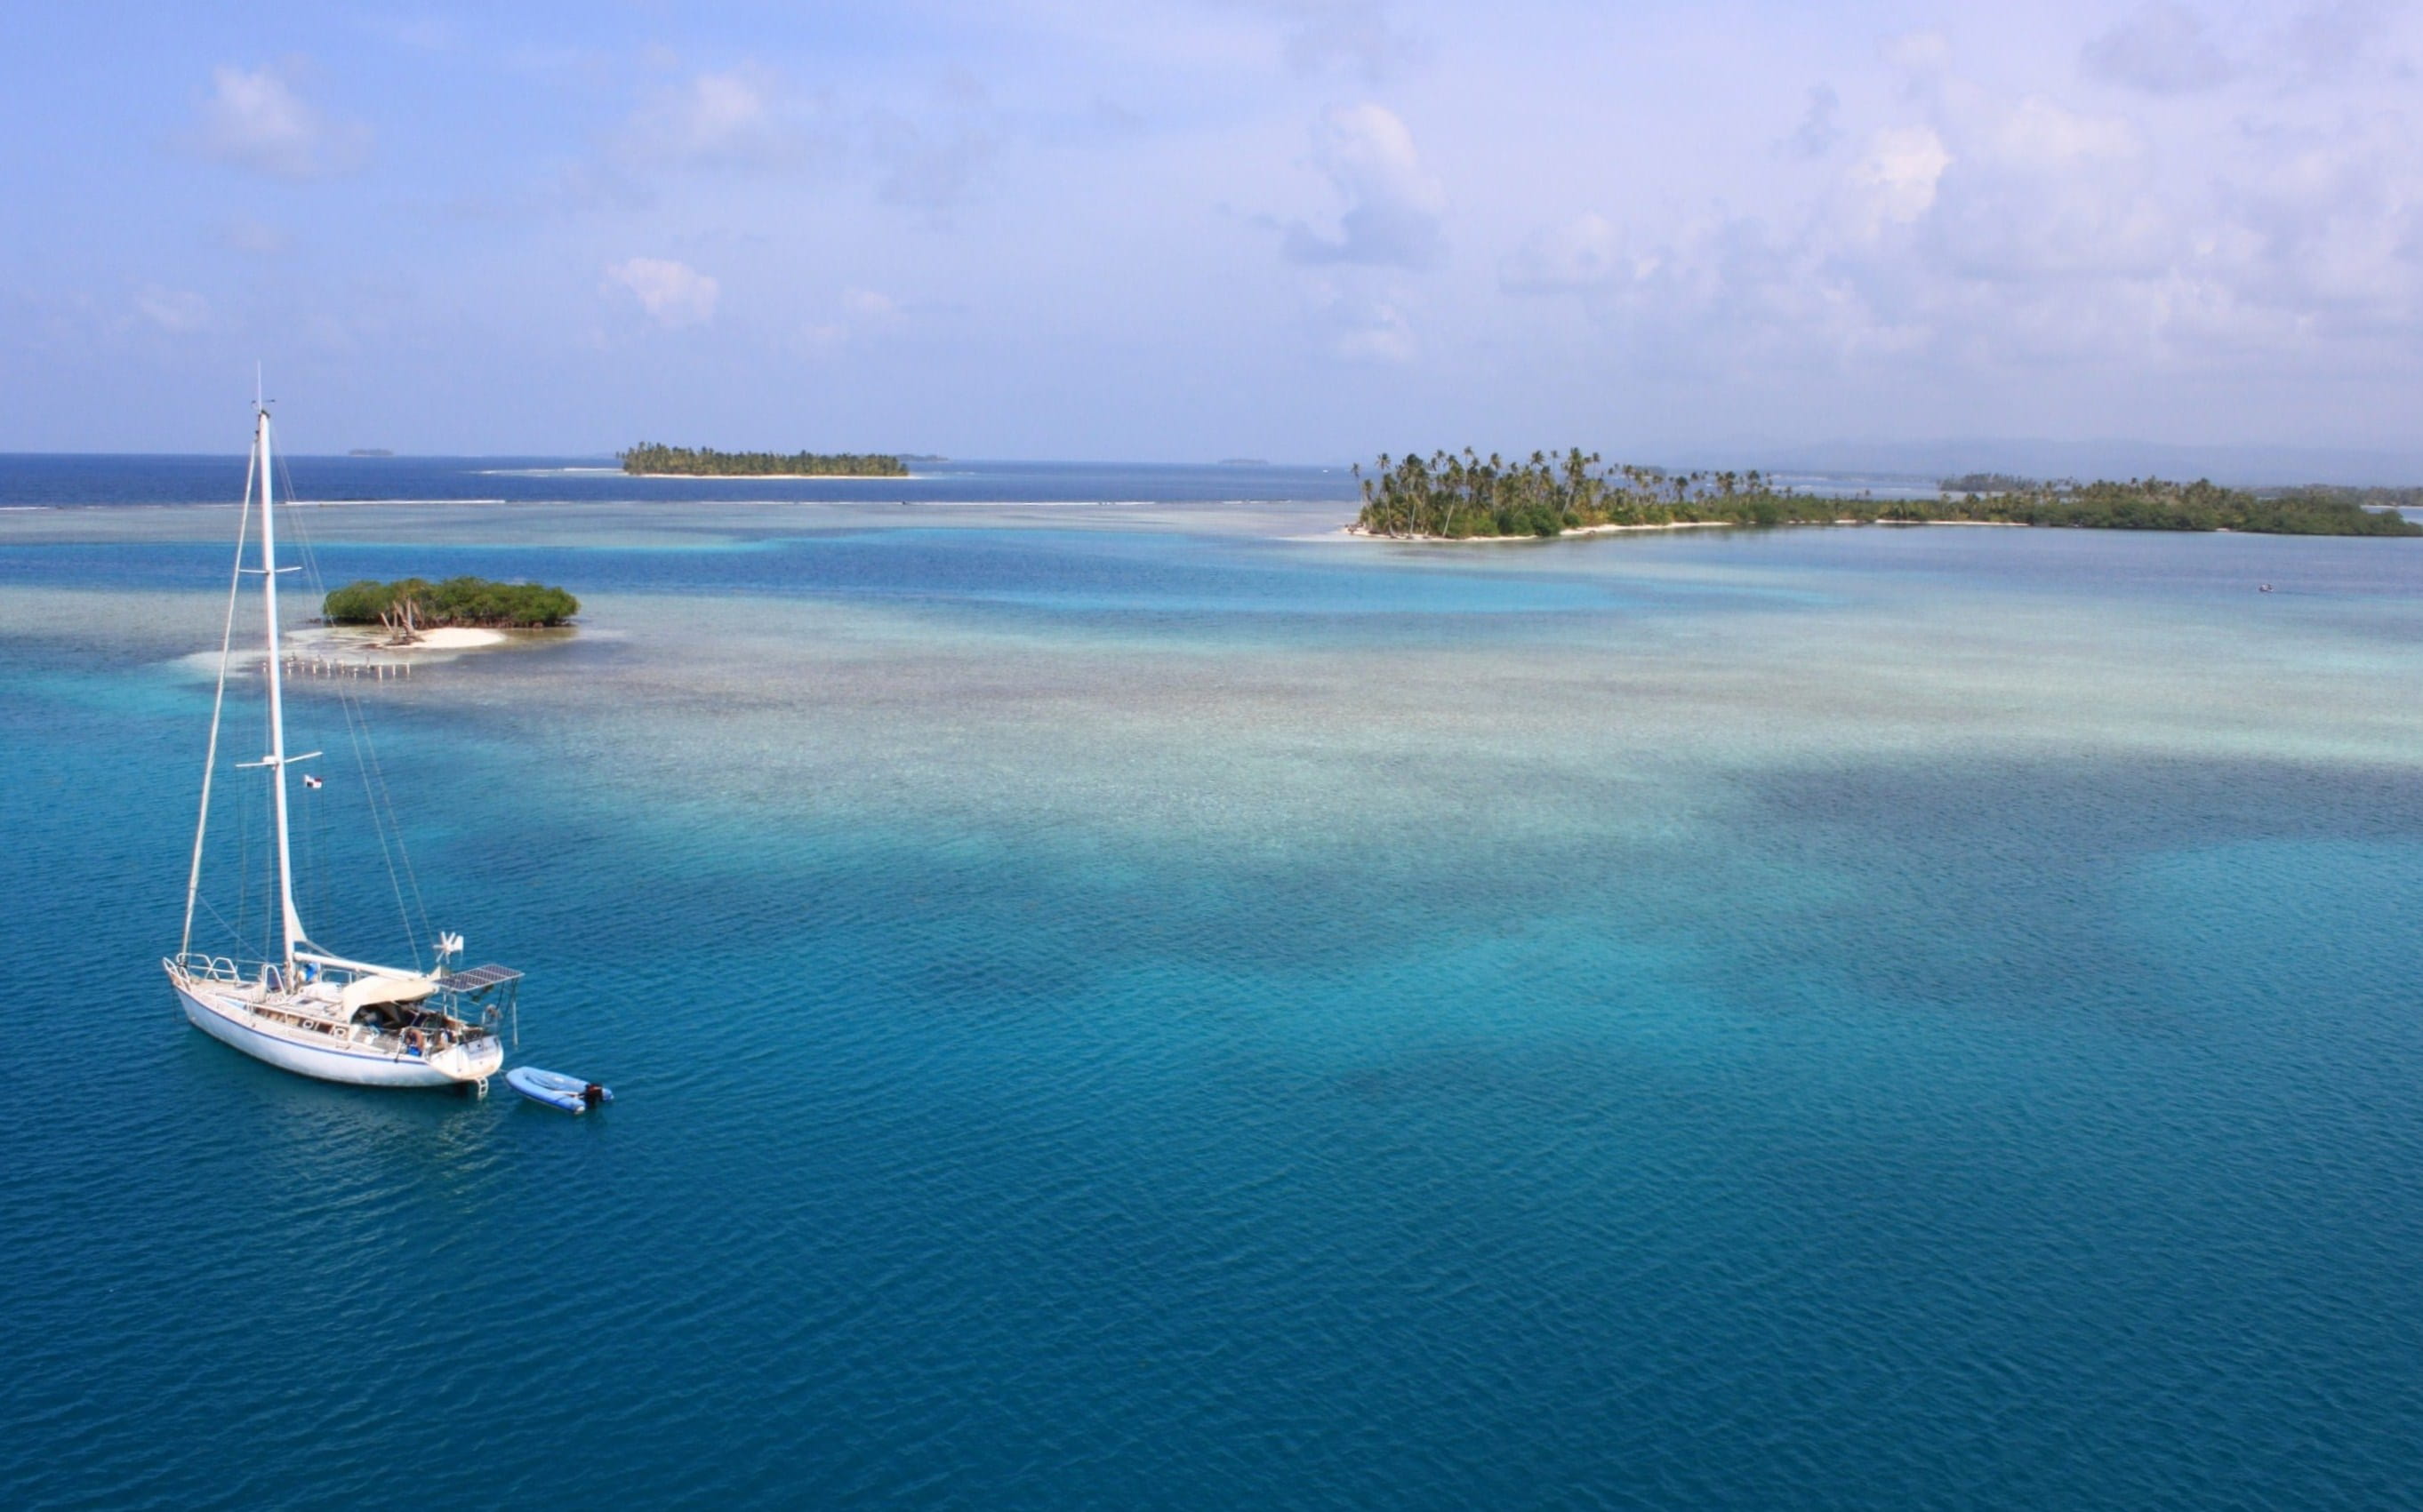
415,602
705,462
1459,497
2378,499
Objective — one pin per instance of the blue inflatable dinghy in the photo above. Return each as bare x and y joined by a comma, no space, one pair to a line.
557,1090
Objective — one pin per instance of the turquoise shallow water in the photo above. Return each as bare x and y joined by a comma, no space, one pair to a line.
1158,1007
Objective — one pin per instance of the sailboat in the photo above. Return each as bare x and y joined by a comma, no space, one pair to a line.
309,1010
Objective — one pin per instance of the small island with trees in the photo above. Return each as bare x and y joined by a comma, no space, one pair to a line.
1464,496
649,459
411,604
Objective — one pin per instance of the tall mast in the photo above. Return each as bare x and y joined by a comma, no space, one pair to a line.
277,763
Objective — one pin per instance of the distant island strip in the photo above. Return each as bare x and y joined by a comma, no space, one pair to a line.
1464,496
413,604
648,458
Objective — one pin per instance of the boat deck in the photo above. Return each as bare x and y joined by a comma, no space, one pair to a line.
314,1017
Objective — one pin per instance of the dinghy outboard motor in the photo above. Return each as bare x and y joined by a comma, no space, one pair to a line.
593,1095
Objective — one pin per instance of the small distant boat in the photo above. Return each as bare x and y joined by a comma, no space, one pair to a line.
557,1090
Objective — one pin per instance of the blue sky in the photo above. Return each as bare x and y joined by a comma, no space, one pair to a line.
1303,230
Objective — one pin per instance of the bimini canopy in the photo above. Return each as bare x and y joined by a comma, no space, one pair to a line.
369,991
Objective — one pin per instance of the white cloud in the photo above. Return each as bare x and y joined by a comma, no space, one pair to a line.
2044,193
256,120
176,311
2041,133
712,120
1394,207
927,153
2027,233
1901,170
674,293
867,305
865,313
2327,226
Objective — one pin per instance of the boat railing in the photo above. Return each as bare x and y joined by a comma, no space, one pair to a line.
209,967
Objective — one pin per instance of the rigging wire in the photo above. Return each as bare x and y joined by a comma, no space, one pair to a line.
374,779
387,826
243,808
312,879
218,705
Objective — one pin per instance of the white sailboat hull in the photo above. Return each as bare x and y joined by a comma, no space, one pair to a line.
362,1065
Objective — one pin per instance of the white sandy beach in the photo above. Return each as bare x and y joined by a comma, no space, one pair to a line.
1677,524
1577,530
350,643
452,638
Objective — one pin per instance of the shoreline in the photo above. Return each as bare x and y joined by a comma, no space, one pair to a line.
444,638
368,643
1676,525
320,649
1561,535
780,478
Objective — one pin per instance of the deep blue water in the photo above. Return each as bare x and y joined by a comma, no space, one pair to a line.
1412,1114
65,479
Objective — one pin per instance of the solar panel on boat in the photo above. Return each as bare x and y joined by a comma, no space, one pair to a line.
478,977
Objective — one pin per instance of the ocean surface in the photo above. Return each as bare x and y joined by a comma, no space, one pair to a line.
1119,996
